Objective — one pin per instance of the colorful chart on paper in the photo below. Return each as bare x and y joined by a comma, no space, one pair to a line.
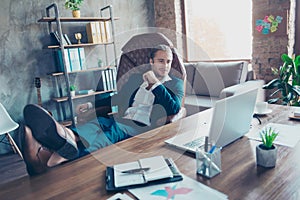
185,189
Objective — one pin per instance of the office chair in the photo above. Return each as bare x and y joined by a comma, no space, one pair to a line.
135,58
7,125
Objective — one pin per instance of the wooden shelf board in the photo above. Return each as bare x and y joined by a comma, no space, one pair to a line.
82,71
72,19
62,99
78,45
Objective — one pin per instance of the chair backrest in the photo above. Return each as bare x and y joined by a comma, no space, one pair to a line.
6,122
136,56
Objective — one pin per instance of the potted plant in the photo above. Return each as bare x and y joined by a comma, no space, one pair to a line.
73,90
266,152
74,5
100,63
287,84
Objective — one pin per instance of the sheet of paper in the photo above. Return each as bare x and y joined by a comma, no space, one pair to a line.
289,135
121,196
158,168
185,189
124,179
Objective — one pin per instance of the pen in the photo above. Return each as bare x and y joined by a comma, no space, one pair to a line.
212,149
206,144
137,170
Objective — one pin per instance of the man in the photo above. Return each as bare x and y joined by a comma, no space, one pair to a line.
143,101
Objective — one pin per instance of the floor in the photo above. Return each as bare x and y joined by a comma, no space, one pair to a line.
12,167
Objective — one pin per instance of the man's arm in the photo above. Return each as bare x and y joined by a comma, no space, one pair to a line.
170,95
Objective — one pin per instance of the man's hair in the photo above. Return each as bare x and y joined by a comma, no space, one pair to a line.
160,47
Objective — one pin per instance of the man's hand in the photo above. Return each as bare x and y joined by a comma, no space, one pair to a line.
150,78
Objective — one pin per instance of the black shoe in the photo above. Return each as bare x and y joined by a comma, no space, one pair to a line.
44,130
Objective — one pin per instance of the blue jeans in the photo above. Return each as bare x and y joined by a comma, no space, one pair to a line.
101,132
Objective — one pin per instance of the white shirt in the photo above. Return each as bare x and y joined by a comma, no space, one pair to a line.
143,103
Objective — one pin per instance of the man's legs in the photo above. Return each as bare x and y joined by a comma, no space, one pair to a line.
100,132
45,143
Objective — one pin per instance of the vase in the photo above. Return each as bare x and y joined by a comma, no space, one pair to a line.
76,13
266,157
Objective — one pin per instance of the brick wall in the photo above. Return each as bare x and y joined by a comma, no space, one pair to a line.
169,16
267,49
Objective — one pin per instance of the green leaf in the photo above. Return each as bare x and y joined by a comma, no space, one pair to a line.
272,84
286,58
297,61
268,136
272,101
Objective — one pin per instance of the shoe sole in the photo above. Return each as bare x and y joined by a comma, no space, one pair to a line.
44,130
21,134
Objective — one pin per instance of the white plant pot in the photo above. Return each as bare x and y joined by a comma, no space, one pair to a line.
266,158
72,93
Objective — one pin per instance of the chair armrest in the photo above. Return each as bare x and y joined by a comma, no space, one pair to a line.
172,118
181,114
242,87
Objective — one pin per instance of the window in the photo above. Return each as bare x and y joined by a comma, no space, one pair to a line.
218,30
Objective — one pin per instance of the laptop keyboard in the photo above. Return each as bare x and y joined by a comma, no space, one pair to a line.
195,143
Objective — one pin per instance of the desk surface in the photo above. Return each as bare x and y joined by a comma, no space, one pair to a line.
240,178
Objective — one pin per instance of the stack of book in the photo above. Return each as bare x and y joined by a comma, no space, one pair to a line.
74,59
98,32
108,79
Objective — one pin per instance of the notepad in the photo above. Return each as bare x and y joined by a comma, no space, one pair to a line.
159,169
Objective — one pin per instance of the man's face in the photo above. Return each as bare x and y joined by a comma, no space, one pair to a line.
161,63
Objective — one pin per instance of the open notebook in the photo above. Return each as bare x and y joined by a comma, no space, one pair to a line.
157,170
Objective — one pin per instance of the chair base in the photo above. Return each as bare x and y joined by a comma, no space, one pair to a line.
13,144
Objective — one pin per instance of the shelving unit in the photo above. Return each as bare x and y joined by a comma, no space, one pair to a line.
55,23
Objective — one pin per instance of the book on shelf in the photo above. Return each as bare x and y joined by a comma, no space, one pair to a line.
104,81
82,58
91,32
103,34
108,31
58,39
54,39
67,60
109,79
67,39
98,32
143,172
74,59
114,77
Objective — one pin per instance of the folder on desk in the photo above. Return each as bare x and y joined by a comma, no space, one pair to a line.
154,170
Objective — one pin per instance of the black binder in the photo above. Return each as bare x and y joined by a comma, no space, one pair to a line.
110,182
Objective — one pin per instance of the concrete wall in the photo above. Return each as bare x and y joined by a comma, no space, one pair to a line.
23,56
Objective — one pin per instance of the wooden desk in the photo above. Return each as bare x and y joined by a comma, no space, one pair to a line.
240,177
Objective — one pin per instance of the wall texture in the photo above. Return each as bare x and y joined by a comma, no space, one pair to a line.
23,56
267,48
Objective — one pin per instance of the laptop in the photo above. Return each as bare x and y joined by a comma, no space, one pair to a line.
230,119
